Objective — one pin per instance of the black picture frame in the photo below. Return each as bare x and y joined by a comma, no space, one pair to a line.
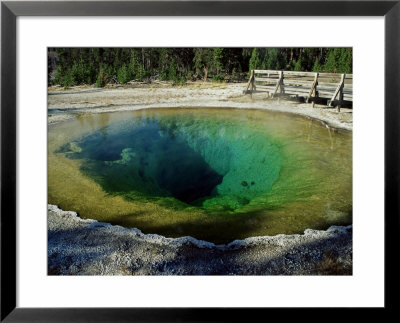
10,10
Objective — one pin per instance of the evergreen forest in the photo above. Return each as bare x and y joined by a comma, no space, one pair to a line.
100,66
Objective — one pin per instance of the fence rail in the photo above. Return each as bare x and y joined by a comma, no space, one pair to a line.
336,88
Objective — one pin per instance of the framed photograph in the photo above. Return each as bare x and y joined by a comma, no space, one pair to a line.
196,160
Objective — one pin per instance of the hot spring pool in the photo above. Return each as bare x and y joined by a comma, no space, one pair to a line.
214,174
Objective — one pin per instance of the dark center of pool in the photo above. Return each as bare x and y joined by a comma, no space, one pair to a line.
195,163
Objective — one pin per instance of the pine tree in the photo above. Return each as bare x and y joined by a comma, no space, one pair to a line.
255,60
339,60
203,59
172,71
134,68
298,66
163,63
218,60
122,74
317,67
273,59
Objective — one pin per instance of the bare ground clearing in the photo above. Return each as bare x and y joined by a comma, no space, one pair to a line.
88,99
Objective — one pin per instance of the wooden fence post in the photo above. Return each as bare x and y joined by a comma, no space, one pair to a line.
251,82
339,90
313,90
253,86
341,93
278,83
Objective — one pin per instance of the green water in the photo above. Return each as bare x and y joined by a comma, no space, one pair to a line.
215,174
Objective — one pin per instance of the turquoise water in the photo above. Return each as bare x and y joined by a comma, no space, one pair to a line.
198,170
199,163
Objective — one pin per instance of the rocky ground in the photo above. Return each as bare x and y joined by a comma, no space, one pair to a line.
88,247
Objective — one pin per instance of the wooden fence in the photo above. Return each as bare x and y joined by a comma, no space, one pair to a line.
336,88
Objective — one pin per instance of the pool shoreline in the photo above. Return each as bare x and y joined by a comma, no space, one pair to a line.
87,247
87,99
316,252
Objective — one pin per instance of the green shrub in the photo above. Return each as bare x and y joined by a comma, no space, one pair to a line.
164,75
218,78
122,74
99,81
68,79
182,79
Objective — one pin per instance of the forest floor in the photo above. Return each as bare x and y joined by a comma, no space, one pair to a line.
88,247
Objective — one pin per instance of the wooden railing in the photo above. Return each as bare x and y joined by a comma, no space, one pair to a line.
336,88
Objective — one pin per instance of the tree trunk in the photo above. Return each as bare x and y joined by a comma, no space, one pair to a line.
205,74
